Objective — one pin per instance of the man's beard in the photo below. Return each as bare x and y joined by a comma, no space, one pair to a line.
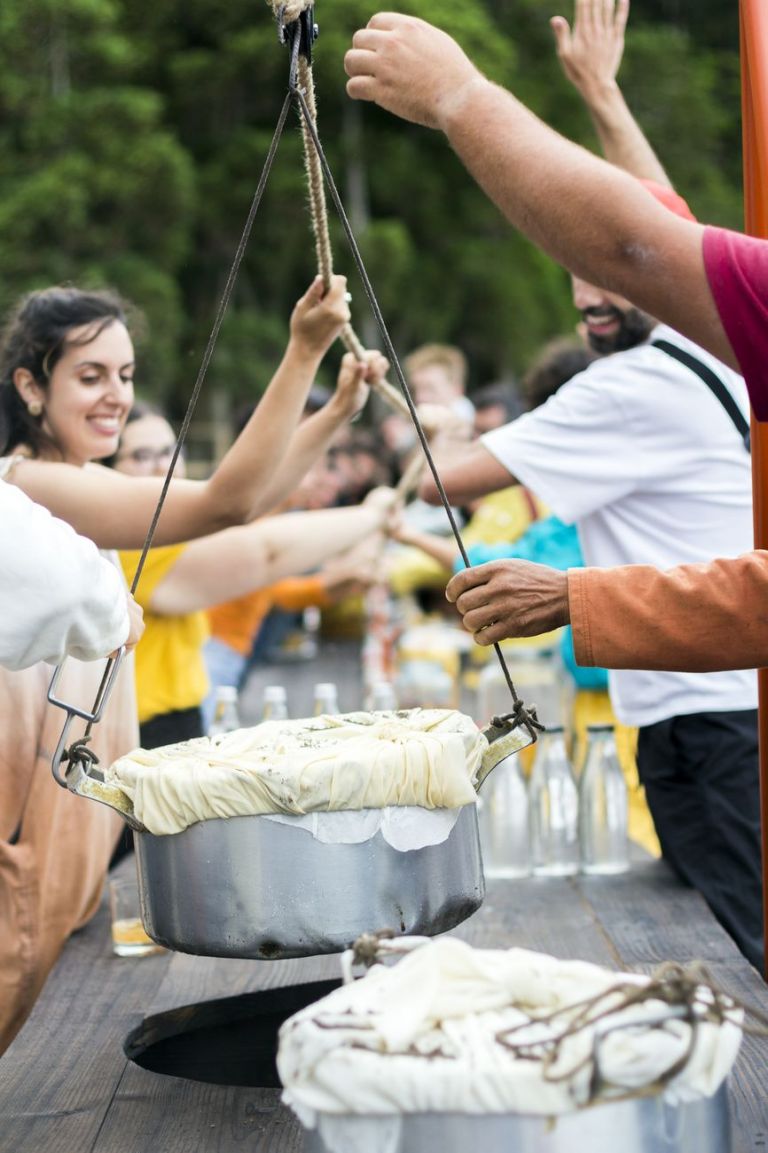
634,328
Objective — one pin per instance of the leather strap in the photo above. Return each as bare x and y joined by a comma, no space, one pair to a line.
713,382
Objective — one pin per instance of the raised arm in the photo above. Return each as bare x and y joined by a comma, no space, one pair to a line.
590,55
590,216
230,564
314,435
115,510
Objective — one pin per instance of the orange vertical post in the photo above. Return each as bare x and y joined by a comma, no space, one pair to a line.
754,103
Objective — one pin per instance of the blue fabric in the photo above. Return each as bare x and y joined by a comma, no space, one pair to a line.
551,542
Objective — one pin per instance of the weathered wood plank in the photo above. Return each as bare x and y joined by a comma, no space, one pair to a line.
58,1077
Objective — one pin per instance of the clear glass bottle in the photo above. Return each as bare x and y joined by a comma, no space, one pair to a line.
382,697
553,808
310,625
275,703
326,699
225,715
602,805
502,806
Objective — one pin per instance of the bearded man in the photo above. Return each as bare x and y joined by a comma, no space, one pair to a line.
642,456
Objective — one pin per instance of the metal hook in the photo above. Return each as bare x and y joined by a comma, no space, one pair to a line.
299,35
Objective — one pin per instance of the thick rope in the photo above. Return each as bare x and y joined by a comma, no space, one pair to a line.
520,715
319,215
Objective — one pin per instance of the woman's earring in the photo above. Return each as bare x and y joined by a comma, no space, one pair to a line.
34,407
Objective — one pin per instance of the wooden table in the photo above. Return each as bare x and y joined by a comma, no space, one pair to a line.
67,1087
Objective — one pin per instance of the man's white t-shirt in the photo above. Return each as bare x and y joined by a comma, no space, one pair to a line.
640,455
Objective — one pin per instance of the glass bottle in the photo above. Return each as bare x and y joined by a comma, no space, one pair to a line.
310,624
225,715
382,697
326,699
602,805
502,814
275,703
553,807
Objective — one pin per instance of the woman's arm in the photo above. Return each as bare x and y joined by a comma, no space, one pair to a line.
115,510
230,564
314,435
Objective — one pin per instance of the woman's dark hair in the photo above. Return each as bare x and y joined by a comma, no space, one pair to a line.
35,337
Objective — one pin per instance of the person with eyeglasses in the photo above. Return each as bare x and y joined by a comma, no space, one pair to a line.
179,582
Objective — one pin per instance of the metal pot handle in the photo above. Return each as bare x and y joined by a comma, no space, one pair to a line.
77,777
505,736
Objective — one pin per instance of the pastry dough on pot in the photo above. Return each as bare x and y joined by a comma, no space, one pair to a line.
423,757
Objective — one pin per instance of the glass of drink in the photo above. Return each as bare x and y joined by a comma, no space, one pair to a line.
128,936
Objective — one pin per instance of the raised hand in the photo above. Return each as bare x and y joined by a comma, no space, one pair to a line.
591,52
352,383
410,68
319,316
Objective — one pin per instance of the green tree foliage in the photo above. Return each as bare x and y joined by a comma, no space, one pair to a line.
133,133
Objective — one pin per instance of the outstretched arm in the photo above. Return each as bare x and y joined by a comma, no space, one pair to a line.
590,216
115,510
230,564
590,55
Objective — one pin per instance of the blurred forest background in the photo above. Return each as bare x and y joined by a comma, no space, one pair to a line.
134,133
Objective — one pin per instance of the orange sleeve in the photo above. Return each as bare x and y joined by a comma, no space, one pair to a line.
695,618
295,593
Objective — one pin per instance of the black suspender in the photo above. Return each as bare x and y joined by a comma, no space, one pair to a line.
713,382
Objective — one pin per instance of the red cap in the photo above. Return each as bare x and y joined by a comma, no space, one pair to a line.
669,198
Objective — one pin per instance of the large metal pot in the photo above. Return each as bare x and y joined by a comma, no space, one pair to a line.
253,887
256,888
640,1125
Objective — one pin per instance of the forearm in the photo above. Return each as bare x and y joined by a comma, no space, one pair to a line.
231,564
694,618
301,541
244,482
309,441
475,472
621,138
595,219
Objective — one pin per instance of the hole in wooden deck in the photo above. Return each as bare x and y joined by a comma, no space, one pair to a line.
230,1041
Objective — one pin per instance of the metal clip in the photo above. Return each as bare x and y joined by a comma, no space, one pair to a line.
507,735
78,758
303,29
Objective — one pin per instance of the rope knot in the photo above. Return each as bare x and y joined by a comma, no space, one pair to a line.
365,949
79,753
521,714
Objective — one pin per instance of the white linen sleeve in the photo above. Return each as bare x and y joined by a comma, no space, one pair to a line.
578,451
60,596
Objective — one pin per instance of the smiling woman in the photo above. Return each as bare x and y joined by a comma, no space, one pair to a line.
66,387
